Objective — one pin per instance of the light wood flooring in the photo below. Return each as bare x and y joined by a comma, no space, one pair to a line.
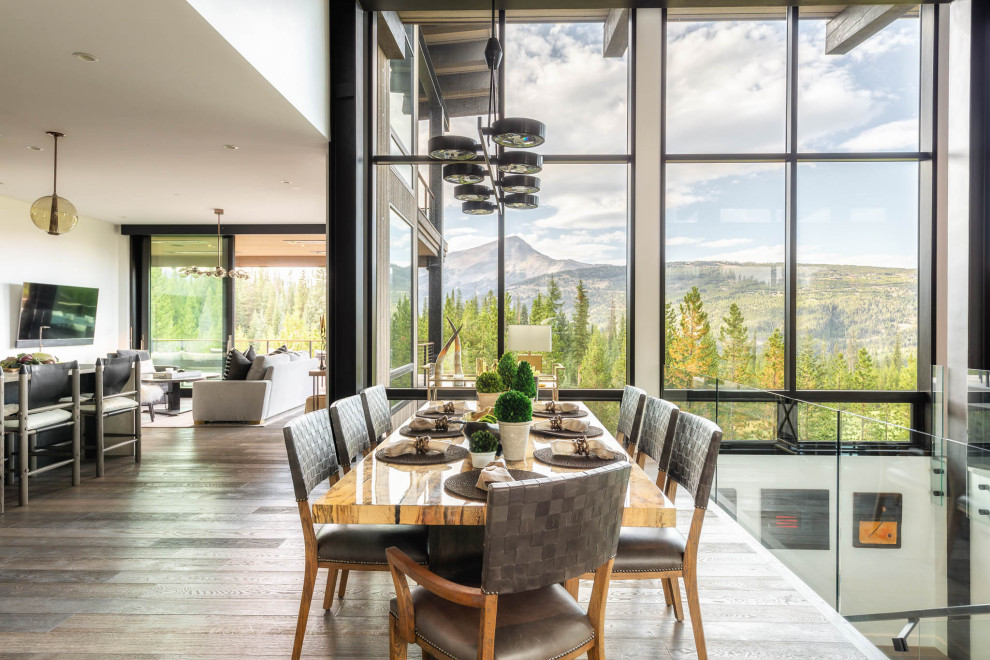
197,553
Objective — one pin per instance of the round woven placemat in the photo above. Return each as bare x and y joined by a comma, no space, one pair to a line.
590,432
546,456
565,415
463,485
455,431
428,414
453,453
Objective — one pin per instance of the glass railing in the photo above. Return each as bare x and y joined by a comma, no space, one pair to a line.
876,517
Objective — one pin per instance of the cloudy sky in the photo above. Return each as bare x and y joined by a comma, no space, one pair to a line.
725,95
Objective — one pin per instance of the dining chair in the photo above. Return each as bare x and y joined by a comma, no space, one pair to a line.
110,399
350,430
377,413
649,553
48,399
630,414
309,443
539,533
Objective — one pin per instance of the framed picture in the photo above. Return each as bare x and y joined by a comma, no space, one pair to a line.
877,519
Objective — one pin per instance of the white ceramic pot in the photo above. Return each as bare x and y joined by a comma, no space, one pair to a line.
488,400
515,439
481,460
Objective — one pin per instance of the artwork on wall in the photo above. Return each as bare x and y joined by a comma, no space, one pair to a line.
877,519
794,518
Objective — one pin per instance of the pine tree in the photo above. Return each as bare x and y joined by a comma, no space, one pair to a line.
669,329
619,364
772,376
580,331
555,298
595,369
693,350
734,335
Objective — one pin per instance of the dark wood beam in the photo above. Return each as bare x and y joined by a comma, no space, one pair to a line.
616,33
854,25
391,35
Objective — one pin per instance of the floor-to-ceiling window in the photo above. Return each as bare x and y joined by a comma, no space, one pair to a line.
775,140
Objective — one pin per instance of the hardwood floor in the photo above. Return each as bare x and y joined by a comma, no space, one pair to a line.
197,553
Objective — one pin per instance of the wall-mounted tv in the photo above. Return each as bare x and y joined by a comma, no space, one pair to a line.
69,312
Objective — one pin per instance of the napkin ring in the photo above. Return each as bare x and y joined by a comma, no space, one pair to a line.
581,446
448,408
551,407
557,423
423,444
441,424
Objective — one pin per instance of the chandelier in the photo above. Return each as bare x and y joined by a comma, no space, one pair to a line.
53,214
514,184
219,272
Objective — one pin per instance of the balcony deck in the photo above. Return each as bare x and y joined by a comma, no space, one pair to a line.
198,553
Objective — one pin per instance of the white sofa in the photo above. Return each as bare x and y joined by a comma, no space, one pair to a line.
277,383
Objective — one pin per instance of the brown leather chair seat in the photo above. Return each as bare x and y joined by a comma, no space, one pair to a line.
649,549
365,544
529,625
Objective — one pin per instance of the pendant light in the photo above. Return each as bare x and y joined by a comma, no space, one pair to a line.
53,214
219,272
515,191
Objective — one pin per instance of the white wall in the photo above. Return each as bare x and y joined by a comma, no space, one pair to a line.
287,42
93,254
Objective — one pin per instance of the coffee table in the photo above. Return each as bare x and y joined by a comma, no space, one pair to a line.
172,398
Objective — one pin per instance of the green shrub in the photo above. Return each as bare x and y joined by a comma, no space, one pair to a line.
483,442
489,382
523,381
514,407
507,370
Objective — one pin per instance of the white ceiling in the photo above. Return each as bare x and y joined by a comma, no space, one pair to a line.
146,124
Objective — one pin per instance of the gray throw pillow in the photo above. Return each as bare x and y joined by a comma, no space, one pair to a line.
239,364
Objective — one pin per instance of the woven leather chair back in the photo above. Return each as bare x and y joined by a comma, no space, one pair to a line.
693,455
312,456
544,531
116,373
350,430
631,412
49,382
656,430
377,413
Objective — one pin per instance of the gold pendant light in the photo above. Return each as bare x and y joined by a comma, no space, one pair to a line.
53,214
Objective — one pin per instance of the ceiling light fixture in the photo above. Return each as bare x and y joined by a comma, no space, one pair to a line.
219,272
34,148
517,132
53,214
232,147
305,241
84,57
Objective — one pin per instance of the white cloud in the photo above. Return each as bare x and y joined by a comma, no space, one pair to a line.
682,240
811,256
760,254
899,135
726,243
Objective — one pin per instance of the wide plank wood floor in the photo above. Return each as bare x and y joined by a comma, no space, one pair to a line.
197,553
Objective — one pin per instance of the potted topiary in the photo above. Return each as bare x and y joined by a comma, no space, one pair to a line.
483,445
514,412
489,386
507,370
525,381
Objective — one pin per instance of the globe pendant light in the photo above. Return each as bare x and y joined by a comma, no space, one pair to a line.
519,132
520,162
461,173
451,147
520,201
53,214
219,272
520,183
478,208
472,192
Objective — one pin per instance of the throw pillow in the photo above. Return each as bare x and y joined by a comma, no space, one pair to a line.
238,364
281,349
261,363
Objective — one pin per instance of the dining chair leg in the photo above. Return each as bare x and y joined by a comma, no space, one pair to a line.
137,434
397,649
343,584
309,582
667,591
694,606
100,444
675,595
22,468
331,586
76,453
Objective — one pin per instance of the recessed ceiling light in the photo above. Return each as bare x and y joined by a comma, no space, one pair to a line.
84,57
296,188
305,241
232,147
287,182
318,251
34,148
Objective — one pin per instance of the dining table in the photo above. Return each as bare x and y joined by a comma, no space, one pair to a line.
375,492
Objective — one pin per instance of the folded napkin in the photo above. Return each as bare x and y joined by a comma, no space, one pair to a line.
581,447
475,416
446,407
420,424
561,407
494,471
560,424
419,445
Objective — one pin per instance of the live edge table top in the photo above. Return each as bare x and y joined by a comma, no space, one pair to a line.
374,492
